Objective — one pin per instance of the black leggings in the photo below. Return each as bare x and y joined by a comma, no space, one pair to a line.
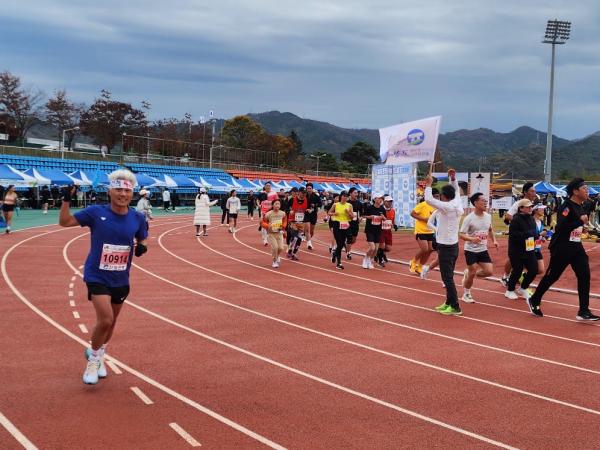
518,261
294,239
340,240
224,216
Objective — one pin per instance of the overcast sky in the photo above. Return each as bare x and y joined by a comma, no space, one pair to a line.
356,64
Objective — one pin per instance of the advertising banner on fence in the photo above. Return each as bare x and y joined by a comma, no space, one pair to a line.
401,183
409,142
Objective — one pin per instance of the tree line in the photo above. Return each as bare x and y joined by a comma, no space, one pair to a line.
107,120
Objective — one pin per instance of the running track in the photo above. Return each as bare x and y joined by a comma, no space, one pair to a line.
215,348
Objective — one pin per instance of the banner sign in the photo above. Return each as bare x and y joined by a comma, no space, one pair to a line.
502,197
480,182
409,142
400,182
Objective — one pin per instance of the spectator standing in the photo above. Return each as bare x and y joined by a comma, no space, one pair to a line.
166,195
202,213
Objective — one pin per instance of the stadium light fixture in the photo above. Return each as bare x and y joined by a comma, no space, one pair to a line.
318,158
558,32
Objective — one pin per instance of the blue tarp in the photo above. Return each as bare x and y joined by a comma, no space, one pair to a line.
541,187
56,176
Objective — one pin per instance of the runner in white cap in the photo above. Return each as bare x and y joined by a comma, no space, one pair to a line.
117,233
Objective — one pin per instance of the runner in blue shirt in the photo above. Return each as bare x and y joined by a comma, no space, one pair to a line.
106,274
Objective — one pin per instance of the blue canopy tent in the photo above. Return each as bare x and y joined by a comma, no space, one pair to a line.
318,186
296,184
594,190
41,180
542,187
144,180
99,178
56,176
10,175
185,182
248,184
81,178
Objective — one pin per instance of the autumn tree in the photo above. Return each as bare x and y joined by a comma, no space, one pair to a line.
106,120
19,107
359,156
244,133
63,114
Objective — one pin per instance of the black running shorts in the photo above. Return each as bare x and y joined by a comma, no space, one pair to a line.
117,294
477,257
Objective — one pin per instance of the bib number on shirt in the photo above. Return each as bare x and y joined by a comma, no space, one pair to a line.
376,221
483,236
114,257
276,225
299,217
530,244
576,234
387,225
538,244
354,215
344,225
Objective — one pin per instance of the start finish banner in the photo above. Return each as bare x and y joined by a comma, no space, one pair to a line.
400,182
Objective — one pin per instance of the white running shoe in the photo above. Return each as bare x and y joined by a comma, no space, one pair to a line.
274,265
523,293
102,373
424,272
468,298
370,264
309,245
365,264
90,376
511,295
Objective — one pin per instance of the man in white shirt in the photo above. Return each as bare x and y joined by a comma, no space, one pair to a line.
449,213
166,199
475,231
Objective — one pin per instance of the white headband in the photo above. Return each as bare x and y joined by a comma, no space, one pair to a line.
121,184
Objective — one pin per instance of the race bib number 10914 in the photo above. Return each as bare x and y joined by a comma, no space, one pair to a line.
114,257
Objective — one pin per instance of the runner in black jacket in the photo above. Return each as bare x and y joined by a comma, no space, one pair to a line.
566,249
521,250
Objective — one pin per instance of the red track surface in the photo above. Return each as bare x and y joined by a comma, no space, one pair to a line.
240,355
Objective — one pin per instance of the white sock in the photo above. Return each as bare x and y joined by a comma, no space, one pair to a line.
467,291
102,350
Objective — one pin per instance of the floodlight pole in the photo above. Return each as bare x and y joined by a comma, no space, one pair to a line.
548,165
557,32
318,158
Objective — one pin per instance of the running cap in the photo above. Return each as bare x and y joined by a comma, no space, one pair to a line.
143,192
377,195
203,190
387,198
524,203
539,206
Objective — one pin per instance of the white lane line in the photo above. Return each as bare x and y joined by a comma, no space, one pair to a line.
72,303
313,377
491,280
70,293
16,433
326,382
76,315
83,328
113,367
71,285
228,422
354,313
137,391
388,300
185,435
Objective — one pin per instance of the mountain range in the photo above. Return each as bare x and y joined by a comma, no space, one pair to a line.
519,153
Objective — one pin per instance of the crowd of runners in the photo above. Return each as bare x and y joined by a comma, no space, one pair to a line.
119,232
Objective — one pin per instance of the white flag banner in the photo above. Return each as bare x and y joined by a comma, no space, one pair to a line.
409,142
